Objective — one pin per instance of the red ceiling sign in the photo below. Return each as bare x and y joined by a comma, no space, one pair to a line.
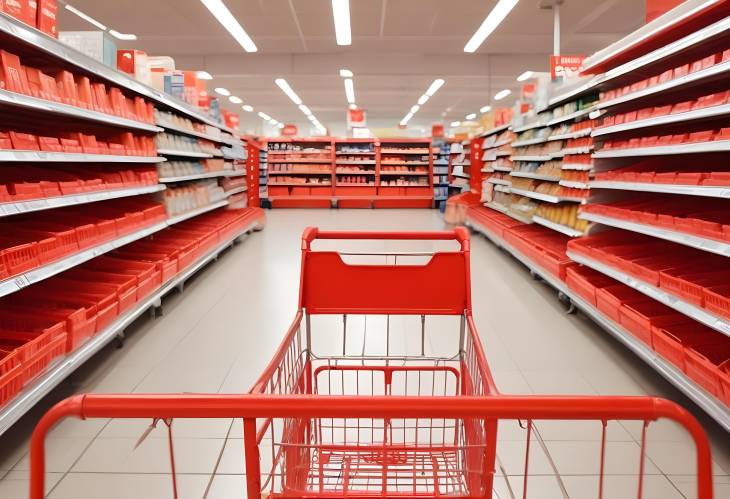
437,130
289,130
565,66
356,118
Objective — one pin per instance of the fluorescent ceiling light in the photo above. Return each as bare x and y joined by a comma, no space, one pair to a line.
264,115
456,123
353,106
280,125
222,91
273,121
414,109
85,17
311,118
204,75
471,116
341,14
247,108
224,16
434,87
423,99
525,76
495,17
350,90
305,110
346,73
282,83
235,100
122,36
485,109
502,94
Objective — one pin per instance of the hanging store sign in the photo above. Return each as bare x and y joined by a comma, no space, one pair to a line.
564,67
356,118
289,130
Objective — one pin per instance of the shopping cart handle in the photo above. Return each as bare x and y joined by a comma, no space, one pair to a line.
460,234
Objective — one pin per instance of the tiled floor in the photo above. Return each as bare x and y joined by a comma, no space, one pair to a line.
219,334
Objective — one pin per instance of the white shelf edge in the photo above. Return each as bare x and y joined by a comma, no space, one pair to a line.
192,133
571,116
26,399
696,313
502,169
494,130
198,176
499,182
697,114
689,190
574,185
713,407
184,154
12,155
573,135
42,105
237,190
198,211
535,159
486,145
693,148
535,176
10,209
343,162
530,142
563,229
577,167
529,126
573,94
698,242
545,197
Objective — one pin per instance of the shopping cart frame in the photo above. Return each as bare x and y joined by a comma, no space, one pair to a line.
286,390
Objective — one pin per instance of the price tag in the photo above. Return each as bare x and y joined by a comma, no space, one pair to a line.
21,281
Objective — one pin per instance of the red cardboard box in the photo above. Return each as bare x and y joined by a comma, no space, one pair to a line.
46,17
12,74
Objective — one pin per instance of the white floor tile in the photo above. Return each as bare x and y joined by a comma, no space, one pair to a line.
125,486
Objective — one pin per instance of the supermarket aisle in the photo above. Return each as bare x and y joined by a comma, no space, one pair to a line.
220,333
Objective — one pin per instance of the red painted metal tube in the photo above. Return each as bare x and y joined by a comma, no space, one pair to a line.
265,406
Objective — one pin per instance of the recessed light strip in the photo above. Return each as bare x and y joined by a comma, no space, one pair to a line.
341,15
494,19
432,89
286,88
116,34
228,21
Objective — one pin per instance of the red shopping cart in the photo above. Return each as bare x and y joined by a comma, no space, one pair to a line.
380,388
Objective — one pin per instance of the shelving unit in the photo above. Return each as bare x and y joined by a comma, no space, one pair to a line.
184,154
16,156
313,185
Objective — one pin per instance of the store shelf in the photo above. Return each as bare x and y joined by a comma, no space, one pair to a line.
573,135
696,313
354,153
529,126
546,197
695,115
502,188
494,130
300,172
404,172
237,190
325,161
43,385
64,54
690,190
31,205
530,142
407,152
574,185
692,79
198,176
404,163
67,157
345,162
571,116
503,169
198,211
497,181
572,94
571,151
563,229
710,404
532,158
22,102
536,176
692,148
582,167
460,175
341,172
200,135
698,242
503,209
500,143
298,184
184,154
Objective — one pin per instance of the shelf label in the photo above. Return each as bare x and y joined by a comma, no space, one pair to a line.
21,281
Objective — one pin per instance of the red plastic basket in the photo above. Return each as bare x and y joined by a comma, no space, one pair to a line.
703,364
670,341
11,375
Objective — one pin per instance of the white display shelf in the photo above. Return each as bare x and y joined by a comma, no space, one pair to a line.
460,175
21,281
41,386
184,154
505,169
68,157
498,181
710,404
193,133
572,150
716,71
698,242
198,176
529,126
693,148
536,176
571,116
531,158
546,197
572,135
494,130
563,229
468,163
689,190
486,145
699,314
502,188
8,209
503,209
237,190
341,172
577,166
697,114
530,142
29,103
354,162
575,185
67,55
573,93
405,163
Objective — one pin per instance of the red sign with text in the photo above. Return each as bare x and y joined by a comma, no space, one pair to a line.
437,130
289,130
356,118
565,66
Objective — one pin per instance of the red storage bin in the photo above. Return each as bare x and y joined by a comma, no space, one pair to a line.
585,282
610,299
638,318
725,381
671,340
11,375
37,341
703,364
717,300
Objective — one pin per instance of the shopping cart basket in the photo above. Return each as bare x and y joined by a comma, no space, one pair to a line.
380,388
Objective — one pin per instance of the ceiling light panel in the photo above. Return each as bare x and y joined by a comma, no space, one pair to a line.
247,108
502,94
222,91
229,22
434,87
493,19
485,109
284,85
204,75
350,90
346,73
235,100
471,116
423,99
341,15
525,76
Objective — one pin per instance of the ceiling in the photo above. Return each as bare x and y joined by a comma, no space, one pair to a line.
398,48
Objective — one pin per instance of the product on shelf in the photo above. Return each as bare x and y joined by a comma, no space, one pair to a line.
178,122
181,143
187,197
668,139
119,144
188,168
563,214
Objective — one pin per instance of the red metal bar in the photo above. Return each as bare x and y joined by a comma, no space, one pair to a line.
257,406
460,234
